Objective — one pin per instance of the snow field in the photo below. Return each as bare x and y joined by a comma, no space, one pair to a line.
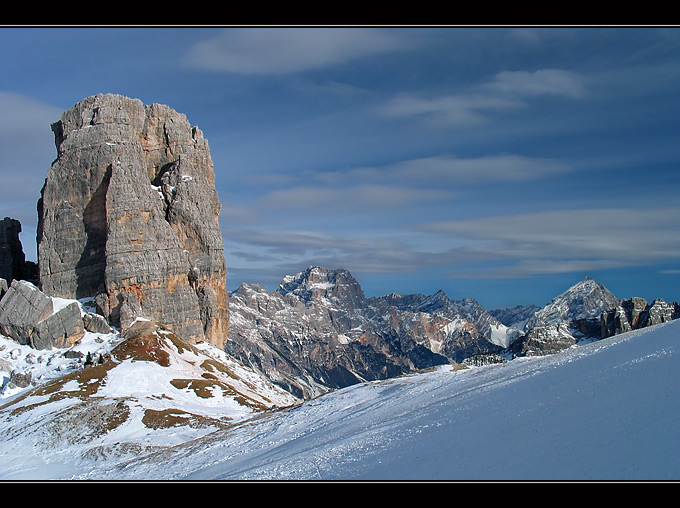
603,411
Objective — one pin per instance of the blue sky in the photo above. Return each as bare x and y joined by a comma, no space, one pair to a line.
503,164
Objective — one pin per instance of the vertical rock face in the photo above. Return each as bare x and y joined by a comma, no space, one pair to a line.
13,264
129,215
635,313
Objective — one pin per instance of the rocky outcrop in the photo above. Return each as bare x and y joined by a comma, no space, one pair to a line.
28,316
95,323
545,340
635,313
129,215
13,264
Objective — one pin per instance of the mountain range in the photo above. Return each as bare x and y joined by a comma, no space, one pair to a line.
317,331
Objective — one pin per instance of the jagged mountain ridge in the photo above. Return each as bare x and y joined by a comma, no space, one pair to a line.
318,331
465,312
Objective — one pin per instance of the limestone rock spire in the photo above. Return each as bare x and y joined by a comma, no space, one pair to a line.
129,213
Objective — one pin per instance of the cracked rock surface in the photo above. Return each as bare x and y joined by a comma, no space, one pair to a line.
128,215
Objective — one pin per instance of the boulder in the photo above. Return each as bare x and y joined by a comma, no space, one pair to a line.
61,329
95,323
22,307
129,215
20,379
27,315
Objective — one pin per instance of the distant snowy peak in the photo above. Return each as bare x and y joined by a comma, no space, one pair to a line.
317,283
587,299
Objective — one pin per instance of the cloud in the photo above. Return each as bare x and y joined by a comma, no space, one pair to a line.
542,82
563,241
296,241
508,91
287,251
263,51
447,170
499,247
333,89
353,198
455,110
527,268
232,213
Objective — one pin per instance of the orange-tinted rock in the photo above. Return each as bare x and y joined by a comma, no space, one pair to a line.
129,215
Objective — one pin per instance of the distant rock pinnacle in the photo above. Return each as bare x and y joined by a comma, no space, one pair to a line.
13,264
129,215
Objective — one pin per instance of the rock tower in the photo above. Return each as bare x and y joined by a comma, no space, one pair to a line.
13,264
128,215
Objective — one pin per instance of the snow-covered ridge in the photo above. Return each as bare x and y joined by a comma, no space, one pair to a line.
115,395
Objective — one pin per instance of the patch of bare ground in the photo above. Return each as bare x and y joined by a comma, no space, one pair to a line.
89,415
142,343
204,388
168,418
82,384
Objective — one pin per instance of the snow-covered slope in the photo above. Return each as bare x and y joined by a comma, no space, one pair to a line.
603,411
115,396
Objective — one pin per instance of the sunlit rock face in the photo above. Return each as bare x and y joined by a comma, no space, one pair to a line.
129,215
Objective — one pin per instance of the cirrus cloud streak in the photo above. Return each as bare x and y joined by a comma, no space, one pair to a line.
262,51
565,240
